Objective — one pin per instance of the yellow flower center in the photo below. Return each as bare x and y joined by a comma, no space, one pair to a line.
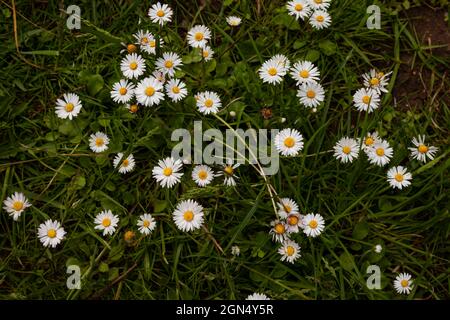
374,81
134,108
279,228
318,1
168,64
106,222
123,91
298,7
228,170
320,18
99,142
289,142
51,233
287,208
198,36
399,177
290,250
404,283
125,163
380,152
69,107
152,43
346,149
311,94
205,53
176,89
202,175
149,91
366,99
272,71
131,48
144,40
160,13
167,171
313,224
188,215
17,205
133,65
146,223
208,103
423,148
304,74
293,220
369,141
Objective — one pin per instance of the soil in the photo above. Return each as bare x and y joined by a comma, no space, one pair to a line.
413,85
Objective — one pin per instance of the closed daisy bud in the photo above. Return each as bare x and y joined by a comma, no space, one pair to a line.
160,13
188,215
289,142
166,172
15,204
51,233
129,236
422,151
398,177
98,142
346,150
126,165
300,9
235,251
68,107
133,108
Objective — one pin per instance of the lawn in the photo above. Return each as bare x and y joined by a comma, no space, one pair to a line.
367,221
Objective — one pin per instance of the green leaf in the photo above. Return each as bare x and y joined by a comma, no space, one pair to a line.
298,44
328,47
160,205
80,182
116,253
312,55
103,267
361,230
95,84
346,261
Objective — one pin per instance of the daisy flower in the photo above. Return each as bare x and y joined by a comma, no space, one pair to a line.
282,60
133,108
146,41
198,36
421,151
289,251
294,222
257,296
381,153
166,172
272,71
233,21
160,76
126,165
202,175
146,224
208,102
370,140
229,173
149,92
132,66
346,149
311,94
160,13
51,233
398,177
278,231
235,251
300,9
403,283
366,100
122,91
207,53
68,107
289,142
305,72
188,215
15,204
168,63
175,90
313,224
98,142
377,81
320,19
287,206
107,222
319,4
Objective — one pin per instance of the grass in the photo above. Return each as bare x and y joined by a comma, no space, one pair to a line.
50,161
